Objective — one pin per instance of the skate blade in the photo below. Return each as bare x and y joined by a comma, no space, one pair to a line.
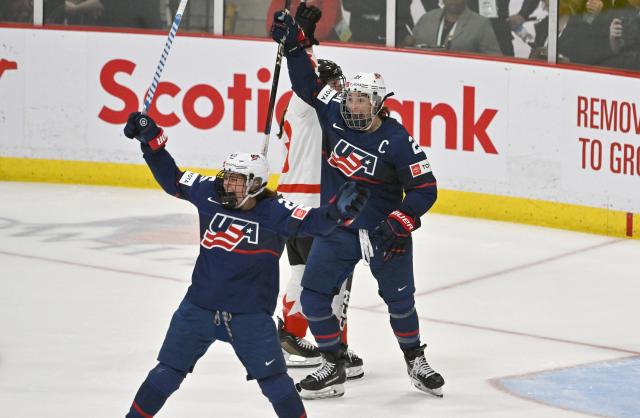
437,392
294,361
332,391
354,373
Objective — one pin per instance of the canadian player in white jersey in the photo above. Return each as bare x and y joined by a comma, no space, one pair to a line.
300,180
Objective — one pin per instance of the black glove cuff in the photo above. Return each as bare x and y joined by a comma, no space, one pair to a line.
309,42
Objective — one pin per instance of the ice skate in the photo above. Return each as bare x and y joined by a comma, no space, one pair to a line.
353,365
422,375
297,351
328,380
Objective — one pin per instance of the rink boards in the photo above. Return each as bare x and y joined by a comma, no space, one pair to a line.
552,146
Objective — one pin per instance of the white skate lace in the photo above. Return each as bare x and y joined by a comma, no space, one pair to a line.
304,343
422,368
366,249
324,371
352,355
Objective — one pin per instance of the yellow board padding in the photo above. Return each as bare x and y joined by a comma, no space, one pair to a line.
536,212
86,172
450,202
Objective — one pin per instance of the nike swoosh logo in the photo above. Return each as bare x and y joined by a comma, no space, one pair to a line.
268,363
213,201
332,380
400,289
337,127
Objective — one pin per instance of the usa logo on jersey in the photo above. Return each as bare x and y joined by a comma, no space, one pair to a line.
350,159
227,232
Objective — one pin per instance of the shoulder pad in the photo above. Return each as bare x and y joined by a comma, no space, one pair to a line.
188,178
326,94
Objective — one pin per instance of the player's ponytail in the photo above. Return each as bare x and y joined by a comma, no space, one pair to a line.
266,194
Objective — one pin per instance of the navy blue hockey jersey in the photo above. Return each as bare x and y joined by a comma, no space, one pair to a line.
237,269
388,161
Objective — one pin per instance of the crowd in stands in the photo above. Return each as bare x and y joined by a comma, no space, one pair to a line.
591,32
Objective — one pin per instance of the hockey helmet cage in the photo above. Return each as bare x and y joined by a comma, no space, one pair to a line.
370,85
255,170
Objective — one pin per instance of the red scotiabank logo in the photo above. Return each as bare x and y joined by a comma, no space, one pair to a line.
238,95
7,65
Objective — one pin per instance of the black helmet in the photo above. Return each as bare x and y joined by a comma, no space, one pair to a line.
329,70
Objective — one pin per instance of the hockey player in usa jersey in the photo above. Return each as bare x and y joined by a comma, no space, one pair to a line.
300,182
362,143
234,286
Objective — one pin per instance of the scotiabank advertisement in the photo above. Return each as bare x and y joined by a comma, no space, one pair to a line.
487,126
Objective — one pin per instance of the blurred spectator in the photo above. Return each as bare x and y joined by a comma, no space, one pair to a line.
326,28
73,12
430,4
592,9
368,20
198,16
456,28
503,24
247,17
578,42
617,4
89,9
624,37
16,11
139,14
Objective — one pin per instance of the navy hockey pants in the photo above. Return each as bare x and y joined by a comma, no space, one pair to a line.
193,329
331,261
333,258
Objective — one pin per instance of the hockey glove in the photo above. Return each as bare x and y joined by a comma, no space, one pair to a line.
307,17
145,130
348,203
285,30
392,234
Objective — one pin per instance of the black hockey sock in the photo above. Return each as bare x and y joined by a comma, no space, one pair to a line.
282,394
323,324
147,402
406,328
290,407
161,382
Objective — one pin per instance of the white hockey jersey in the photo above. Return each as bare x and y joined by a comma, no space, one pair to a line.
300,176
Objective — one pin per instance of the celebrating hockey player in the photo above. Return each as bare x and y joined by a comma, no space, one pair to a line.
362,143
234,287
300,182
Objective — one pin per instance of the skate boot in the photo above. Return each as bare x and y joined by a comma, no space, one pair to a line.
353,364
297,351
328,380
422,375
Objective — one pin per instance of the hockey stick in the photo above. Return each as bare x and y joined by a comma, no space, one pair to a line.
165,54
274,89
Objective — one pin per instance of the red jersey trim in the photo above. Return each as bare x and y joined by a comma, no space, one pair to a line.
421,186
273,253
299,188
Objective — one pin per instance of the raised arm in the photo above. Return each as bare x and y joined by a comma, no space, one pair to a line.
152,142
304,80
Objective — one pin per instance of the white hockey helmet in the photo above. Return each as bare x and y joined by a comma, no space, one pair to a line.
371,85
254,168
